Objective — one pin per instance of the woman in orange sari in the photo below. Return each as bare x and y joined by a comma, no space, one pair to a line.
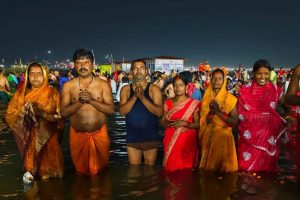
33,114
181,116
217,117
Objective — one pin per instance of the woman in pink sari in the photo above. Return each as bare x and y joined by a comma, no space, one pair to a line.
260,126
181,119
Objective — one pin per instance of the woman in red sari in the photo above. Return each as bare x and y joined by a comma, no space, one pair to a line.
181,119
260,126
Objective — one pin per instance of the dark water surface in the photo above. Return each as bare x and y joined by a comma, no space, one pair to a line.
121,181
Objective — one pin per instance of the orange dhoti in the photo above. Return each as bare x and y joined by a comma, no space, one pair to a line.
89,151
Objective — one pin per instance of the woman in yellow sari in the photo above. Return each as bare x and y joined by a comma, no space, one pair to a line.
217,117
33,114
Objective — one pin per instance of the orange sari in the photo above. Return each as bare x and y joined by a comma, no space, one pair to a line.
89,151
37,138
218,146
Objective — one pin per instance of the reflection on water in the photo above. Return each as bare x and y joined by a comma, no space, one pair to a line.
123,181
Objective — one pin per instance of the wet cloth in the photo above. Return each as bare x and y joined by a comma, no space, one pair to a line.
180,145
89,151
37,139
141,125
260,127
217,141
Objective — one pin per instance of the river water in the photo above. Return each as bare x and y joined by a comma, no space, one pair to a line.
122,181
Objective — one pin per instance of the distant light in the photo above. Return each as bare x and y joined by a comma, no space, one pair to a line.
49,51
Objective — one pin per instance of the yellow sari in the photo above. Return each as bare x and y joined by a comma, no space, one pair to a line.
216,139
37,138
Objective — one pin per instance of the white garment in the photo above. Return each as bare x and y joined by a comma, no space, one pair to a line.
119,91
113,86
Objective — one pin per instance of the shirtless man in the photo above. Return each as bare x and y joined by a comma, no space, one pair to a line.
4,88
86,100
141,103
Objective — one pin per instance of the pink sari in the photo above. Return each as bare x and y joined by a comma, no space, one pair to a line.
298,149
260,127
298,143
181,144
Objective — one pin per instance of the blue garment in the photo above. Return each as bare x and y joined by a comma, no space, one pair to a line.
141,125
197,94
62,81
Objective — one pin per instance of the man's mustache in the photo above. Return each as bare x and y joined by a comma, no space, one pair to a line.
82,69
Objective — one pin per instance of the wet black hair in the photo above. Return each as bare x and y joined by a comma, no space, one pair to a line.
135,61
187,75
261,63
179,76
83,53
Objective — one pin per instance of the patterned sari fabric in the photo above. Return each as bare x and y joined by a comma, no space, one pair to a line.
260,127
298,149
181,144
37,139
217,141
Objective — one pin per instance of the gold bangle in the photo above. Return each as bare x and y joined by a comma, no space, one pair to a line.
188,125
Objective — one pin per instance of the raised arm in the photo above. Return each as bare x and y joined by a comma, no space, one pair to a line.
126,104
163,121
67,108
156,107
231,118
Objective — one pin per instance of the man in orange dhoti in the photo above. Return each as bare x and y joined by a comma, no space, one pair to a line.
86,100
217,116
33,114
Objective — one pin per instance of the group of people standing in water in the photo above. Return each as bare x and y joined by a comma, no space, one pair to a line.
198,133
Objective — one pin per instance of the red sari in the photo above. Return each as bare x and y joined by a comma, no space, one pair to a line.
298,141
260,127
298,149
180,145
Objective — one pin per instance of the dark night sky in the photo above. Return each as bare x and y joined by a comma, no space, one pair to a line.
222,32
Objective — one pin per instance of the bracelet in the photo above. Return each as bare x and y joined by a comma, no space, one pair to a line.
188,125
224,116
